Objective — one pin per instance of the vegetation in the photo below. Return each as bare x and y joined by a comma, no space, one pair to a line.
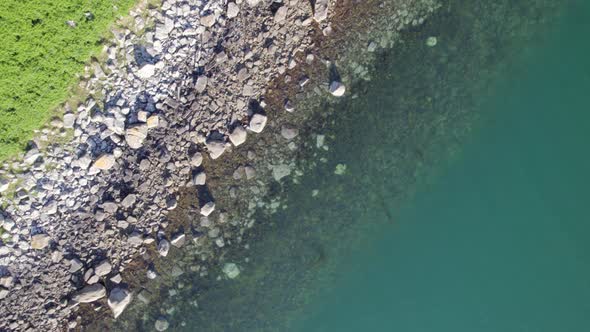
43,46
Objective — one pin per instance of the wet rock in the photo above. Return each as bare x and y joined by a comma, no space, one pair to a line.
199,179
178,240
231,270
40,241
118,300
90,293
238,136
431,41
257,123
216,148
337,89
280,171
163,247
289,132
161,324
208,208
104,162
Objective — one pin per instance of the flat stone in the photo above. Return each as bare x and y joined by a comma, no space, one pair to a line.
153,121
40,241
135,136
208,20
280,171
178,240
117,279
103,268
208,208
90,293
201,84
232,10
104,162
119,299
281,14
231,270
215,148
337,89
199,179
238,135
129,201
146,71
3,293
257,122
75,265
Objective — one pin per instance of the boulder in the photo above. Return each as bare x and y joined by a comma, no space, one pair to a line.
257,122
337,89
118,300
90,293
216,148
103,268
232,10
238,135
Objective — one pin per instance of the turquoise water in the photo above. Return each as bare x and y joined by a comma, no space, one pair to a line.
499,240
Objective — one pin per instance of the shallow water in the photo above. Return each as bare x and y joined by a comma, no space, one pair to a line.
462,204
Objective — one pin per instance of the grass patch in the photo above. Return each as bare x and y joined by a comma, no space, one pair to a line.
41,57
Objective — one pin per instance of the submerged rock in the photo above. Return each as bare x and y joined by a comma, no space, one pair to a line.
118,300
231,270
161,324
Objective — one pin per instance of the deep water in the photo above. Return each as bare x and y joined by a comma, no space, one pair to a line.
463,203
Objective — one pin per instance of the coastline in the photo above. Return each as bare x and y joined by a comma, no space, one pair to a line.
240,181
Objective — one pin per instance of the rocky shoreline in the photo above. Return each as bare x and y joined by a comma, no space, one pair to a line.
179,90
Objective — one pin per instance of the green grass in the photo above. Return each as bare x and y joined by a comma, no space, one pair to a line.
41,57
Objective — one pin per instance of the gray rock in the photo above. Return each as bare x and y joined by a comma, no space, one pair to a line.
40,241
208,20
161,324
238,135
118,300
104,162
129,201
232,10
289,106
216,148
90,293
201,84
117,279
257,123
69,120
281,14
3,293
280,171
103,268
6,281
135,136
75,265
250,172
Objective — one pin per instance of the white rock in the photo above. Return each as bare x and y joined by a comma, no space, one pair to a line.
163,247
232,10
337,89
196,159
215,148
281,14
289,132
199,179
146,71
257,122
208,208
231,270
178,240
201,84
238,135
118,300
253,2
208,20
320,10
161,324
